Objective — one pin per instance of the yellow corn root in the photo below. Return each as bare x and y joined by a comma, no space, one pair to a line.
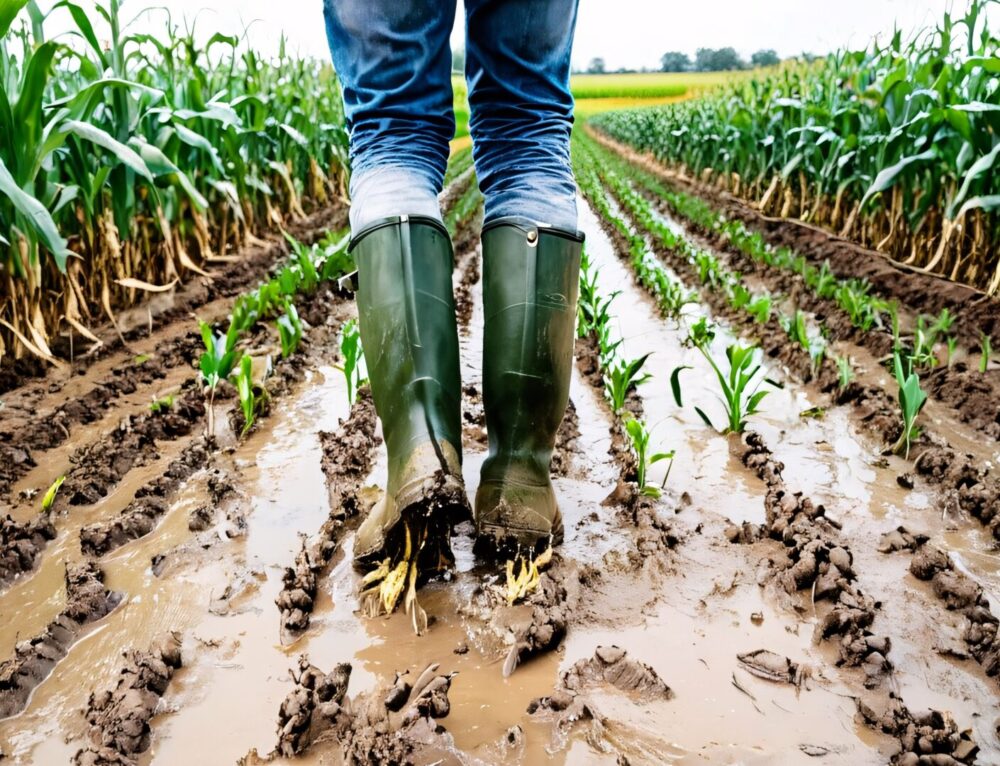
528,576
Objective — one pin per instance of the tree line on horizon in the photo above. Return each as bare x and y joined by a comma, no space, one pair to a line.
705,60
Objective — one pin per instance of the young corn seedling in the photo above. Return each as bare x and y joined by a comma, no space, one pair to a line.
162,404
253,397
760,309
621,377
215,364
289,330
845,372
639,438
354,359
740,395
986,350
50,494
911,401
798,331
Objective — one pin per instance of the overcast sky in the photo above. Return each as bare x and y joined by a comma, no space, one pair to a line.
626,33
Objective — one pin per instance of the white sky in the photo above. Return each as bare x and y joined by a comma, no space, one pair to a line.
630,33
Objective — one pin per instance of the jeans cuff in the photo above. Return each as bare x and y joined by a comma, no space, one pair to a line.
390,190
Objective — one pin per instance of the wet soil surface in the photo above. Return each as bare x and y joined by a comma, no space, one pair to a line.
652,638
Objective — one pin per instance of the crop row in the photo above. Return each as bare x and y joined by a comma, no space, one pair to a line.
894,147
128,162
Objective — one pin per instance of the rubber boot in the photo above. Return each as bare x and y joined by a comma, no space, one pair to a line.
406,309
530,285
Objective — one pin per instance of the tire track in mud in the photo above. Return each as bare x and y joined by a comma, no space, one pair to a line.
815,558
973,310
975,489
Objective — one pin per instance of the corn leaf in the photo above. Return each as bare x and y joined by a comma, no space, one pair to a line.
37,216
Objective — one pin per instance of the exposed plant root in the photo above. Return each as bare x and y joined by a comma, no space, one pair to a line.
551,604
815,559
348,455
388,726
528,569
87,600
119,716
426,551
926,739
21,544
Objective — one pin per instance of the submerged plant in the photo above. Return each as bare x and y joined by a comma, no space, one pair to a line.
986,347
638,436
911,401
621,377
845,372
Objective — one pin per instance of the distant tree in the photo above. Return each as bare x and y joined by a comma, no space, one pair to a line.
718,60
768,57
675,61
597,66
458,60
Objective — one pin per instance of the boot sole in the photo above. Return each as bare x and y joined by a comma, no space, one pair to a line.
495,541
421,499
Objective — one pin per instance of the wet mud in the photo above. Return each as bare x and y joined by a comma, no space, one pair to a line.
119,717
87,600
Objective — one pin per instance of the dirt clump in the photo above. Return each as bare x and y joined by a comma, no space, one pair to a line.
470,276
930,738
566,442
348,456
813,558
770,666
391,725
22,544
960,593
87,600
551,605
974,489
900,539
151,502
119,716
98,467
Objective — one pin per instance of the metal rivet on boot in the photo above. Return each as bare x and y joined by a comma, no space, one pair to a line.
532,237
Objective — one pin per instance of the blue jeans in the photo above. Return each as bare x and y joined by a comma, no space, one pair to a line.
393,59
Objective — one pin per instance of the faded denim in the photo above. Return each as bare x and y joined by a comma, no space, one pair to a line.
393,59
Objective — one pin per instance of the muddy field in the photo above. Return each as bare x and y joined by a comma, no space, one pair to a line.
795,596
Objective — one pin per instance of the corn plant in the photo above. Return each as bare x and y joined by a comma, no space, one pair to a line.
638,436
911,401
289,330
217,360
739,384
892,146
354,359
845,372
50,494
798,331
254,398
986,350
162,404
620,377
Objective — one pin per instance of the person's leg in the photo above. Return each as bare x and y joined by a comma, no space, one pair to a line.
394,64
517,65
393,61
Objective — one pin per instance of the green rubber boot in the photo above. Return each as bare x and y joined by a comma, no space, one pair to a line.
530,285
406,309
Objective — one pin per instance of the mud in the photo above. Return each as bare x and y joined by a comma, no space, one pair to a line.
470,276
962,595
814,558
87,600
394,724
151,502
930,738
567,438
119,717
348,456
929,293
22,544
973,489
